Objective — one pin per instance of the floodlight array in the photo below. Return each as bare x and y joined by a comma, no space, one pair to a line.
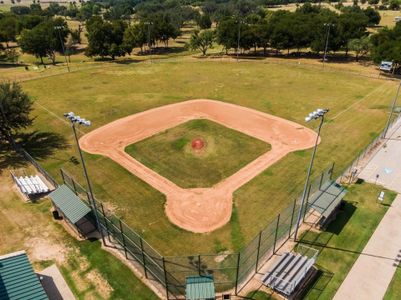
320,112
77,119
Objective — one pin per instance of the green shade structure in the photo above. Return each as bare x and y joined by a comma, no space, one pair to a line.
200,288
73,208
18,280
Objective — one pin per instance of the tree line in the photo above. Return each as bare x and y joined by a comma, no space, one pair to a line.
239,26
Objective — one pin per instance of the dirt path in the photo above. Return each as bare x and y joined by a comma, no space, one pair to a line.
203,209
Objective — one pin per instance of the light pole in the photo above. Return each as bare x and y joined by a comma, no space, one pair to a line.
80,121
58,28
239,37
317,114
328,25
392,110
149,47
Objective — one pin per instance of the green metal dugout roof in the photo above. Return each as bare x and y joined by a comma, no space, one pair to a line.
200,288
327,198
73,208
18,280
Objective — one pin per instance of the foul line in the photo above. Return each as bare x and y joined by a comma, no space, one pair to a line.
57,116
359,101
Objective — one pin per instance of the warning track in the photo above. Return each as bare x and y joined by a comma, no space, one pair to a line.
202,209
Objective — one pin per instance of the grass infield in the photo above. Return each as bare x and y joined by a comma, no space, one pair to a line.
358,111
171,153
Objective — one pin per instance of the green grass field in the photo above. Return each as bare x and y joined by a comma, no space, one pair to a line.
357,113
394,289
344,239
170,153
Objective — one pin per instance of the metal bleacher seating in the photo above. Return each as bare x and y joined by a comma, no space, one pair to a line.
31,185
288,271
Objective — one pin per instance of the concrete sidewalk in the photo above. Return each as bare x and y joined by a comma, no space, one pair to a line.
54,284
375,267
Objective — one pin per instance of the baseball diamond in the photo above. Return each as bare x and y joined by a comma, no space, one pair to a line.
199,209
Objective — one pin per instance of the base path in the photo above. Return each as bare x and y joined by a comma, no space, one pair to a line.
372,272
201,209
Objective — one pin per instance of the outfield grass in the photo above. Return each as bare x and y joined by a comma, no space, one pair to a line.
357,113
91,272
170,153
344,239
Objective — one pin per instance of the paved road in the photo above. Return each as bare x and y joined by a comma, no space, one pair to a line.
372,272
386,163
375,267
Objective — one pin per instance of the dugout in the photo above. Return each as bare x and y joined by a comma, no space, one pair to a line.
325,202
76,214
200,288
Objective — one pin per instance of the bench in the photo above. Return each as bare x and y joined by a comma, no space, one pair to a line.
287,272
31,185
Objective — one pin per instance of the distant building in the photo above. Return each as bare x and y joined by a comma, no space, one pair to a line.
18,280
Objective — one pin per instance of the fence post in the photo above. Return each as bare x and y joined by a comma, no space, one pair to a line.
62,175
105,222
321,181
332,170
292,217
258,251
165,276
199,264
237,276
123,238
275,234
307,201
73,185
143,258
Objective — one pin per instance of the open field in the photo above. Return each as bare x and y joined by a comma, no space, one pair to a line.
345,238
91,272
170,153
388,17
358,112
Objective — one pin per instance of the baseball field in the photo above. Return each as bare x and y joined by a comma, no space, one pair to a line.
358,111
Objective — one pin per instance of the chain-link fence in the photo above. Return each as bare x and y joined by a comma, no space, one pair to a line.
229,271
355,168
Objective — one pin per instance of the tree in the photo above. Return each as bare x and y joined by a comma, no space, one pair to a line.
15,107
227,33
386,45
135,36
359,46
202,41
20,10
105,38
204,21
394,5
44,40
373,16
8,29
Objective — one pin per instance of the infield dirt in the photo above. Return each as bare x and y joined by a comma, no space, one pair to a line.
200,209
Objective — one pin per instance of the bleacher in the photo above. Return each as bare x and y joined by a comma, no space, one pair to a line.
288,271
31,185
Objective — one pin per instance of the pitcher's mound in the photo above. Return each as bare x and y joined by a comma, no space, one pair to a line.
198,144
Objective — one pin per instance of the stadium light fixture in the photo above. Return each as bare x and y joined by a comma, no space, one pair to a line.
315,115
81,121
